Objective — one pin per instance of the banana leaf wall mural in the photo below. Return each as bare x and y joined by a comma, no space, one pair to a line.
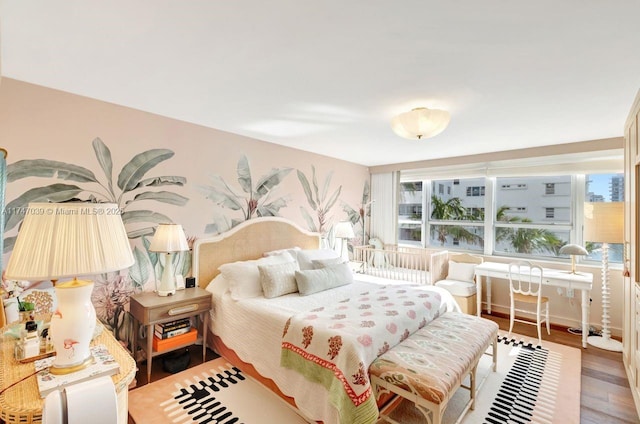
131,187
261,199
320,202
154,168
357,216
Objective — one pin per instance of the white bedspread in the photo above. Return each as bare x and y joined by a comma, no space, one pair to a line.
253,328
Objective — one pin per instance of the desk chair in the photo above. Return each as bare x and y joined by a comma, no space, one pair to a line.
525,289
459,280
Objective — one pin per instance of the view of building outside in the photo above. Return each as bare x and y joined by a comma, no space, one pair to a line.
604,188
533,215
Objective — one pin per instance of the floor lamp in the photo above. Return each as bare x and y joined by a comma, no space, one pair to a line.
604,223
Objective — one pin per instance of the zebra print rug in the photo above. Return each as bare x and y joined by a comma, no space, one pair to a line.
214,392
533,384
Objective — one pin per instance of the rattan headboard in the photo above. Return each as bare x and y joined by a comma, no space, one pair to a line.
246,241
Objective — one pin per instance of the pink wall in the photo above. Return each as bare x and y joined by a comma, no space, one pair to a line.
41,123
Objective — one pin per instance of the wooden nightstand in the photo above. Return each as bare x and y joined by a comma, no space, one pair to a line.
149,309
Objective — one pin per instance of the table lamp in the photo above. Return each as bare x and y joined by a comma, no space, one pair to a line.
603,223
573,250
344,231
168,239
62,240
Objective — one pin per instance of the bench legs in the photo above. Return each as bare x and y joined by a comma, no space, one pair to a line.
432,412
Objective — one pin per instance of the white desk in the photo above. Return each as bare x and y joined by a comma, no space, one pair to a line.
551,277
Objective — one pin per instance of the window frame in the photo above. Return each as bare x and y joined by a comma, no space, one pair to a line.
577,198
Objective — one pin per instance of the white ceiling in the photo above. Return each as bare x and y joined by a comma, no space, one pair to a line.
327,76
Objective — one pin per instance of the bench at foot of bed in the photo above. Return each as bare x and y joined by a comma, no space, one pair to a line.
428,367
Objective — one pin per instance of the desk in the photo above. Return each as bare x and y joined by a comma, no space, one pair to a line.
551,277
22,403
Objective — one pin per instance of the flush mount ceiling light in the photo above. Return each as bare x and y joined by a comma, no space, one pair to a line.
420,123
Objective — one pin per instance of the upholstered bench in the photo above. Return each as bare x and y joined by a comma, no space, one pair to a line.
428,367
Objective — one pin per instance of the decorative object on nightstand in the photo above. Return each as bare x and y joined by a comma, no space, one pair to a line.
61,240
573,250
344,231
420,123
168,239
604,223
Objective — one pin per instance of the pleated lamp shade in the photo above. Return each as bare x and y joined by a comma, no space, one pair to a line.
420,123
59,240
604,222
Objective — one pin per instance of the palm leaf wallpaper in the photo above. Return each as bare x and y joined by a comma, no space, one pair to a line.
147,194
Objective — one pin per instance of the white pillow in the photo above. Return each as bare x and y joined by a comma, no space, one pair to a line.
293,251
323,263
278,279
460,271
305,257
316,280
244,276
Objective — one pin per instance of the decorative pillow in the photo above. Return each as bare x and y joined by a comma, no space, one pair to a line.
317,280
278,279
292,251
306,256
460,271
323,263
244,276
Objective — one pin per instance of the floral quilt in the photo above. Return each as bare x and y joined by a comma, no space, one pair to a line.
334,345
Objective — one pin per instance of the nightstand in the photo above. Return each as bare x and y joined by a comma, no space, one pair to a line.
149,309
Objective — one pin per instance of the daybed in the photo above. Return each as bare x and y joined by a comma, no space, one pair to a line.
331,336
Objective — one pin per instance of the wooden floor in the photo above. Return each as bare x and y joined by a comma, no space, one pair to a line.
606,397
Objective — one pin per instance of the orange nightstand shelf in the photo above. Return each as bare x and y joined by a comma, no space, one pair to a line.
160,345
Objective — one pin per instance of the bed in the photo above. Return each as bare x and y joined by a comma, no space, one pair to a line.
260,335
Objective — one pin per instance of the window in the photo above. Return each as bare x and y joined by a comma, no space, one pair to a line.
475,191
604,188
550,188
532,216
410,213
526,229
513,187
457,219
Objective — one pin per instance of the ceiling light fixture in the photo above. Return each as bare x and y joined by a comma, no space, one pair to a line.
420,123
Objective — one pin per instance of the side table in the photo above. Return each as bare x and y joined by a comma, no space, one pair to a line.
149,309
22,403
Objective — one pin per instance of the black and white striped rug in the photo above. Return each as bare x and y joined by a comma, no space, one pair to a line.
533,384
530,387
212,393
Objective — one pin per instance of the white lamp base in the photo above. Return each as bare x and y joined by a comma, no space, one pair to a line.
605,343
167,285
166,292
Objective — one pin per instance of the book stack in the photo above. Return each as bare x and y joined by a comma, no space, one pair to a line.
166,330
172,334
